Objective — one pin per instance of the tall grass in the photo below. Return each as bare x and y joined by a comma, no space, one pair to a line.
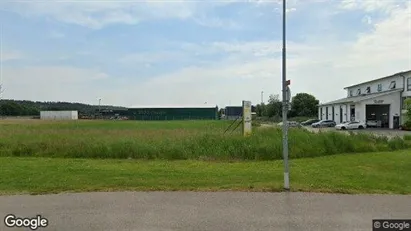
173,140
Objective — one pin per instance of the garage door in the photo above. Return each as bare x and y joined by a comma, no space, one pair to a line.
378,115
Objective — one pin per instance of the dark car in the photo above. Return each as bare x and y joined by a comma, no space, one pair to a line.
309,122
324,123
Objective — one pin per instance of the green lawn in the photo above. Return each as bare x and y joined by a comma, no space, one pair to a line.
387,172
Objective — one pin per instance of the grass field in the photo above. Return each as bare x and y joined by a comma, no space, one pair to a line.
49,156
387,172
173,140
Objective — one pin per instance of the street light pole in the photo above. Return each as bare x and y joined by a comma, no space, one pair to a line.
262,97
285,105
99,107
1,62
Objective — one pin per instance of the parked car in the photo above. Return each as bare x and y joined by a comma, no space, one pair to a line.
351,125
324,123
373,123
309,122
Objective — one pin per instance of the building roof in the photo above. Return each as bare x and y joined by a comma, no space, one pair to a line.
174,106
370,81
355,99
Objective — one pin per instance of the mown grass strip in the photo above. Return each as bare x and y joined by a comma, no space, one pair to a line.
386,172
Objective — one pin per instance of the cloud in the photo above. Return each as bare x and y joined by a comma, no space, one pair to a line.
11,55
50,75
150,57
53,83
385,6
367,19
240,69
57,35
98,14
389,42
319,69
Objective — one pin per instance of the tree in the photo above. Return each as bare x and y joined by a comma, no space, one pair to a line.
220,112
274,106
407,103
260,109
304,104
9,107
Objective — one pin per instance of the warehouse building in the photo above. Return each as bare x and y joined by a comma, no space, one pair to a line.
235,112
203,112
379,102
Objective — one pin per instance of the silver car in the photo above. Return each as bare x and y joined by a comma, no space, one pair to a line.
324,123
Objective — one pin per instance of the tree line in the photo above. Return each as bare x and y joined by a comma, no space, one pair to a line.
302,105
9,107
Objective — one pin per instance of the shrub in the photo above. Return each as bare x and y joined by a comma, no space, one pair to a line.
397,143
407,137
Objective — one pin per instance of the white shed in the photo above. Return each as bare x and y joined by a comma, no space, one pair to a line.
59,115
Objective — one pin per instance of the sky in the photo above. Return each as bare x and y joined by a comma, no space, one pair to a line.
141,53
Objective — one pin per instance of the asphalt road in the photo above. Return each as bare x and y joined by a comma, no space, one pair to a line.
166,211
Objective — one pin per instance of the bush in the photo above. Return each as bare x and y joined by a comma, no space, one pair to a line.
397,143
407,137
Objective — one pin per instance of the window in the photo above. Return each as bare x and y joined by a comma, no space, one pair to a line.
409,84
359,91
392,85
368,90
350,92
379,87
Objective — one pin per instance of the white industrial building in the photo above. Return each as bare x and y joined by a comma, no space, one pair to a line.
378,102
59,115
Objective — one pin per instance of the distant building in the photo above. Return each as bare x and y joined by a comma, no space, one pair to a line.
196,112
378,102
59,115
235,112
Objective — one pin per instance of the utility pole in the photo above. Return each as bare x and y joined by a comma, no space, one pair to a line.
285,105
1,62
1,66
99,109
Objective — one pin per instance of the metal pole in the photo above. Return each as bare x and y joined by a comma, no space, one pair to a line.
262,97
285,107
99,108
1,62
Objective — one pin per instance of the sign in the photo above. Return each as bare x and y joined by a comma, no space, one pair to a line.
288,94
288,98
246,118
379,101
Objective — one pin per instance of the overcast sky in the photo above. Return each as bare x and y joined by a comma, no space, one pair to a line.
191,52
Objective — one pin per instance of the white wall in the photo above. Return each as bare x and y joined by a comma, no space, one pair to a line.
346,111
360,114
330,112
319,113
321,116
59,115
337,113
374,85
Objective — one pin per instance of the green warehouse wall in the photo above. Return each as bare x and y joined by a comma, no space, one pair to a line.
173,113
